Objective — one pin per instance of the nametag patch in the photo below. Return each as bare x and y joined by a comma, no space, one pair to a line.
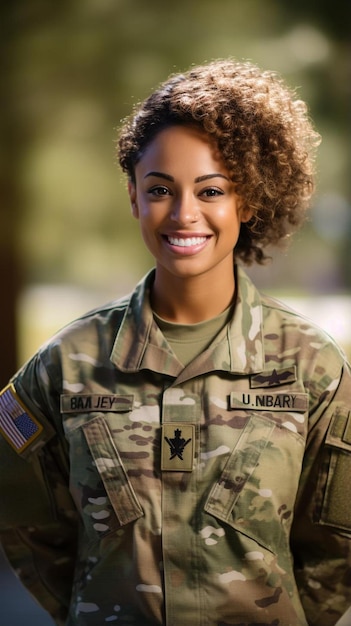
177,447
297,402
85,403
17,424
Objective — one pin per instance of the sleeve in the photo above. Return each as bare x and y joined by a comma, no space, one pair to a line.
38,519
321,532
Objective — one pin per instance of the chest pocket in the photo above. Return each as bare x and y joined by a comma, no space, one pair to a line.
256,491
99,481
333,490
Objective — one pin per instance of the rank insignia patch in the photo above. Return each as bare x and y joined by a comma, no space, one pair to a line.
17,425
177,447
274,377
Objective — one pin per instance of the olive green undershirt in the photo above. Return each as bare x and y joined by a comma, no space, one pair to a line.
189,340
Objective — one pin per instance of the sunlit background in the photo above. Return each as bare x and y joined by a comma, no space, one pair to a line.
72,70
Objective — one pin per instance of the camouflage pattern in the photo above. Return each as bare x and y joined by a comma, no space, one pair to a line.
247,524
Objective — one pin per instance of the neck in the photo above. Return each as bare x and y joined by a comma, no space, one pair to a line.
191,300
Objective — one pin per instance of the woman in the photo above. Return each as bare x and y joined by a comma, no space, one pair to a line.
181,456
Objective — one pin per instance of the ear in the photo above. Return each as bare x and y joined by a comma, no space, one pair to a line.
246,215
245,212
133,199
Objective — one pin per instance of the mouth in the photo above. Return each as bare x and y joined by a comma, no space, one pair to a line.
186,242
186,246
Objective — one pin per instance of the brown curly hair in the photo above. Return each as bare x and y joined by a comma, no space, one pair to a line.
263,133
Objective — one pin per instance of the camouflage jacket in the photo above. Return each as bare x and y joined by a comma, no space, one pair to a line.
136,491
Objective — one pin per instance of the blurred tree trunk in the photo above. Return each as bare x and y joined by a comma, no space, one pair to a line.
9,194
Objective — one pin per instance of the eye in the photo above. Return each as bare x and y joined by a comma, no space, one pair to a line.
159,191
212,192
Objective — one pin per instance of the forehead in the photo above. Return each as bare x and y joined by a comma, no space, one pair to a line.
181,146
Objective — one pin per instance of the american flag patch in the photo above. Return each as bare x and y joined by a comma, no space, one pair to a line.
19,427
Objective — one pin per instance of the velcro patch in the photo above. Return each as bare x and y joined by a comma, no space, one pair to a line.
293,402
84,403
339,432
274,377
178,446
17,424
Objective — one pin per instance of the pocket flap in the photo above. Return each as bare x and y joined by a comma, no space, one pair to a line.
239,467
108,462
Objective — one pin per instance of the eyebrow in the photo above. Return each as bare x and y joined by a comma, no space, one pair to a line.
198,179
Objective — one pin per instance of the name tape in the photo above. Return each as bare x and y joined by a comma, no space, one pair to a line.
297,402
85,403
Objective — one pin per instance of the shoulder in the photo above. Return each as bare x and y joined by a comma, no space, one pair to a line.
97,326
88,340
275,310
72,355
105,320
287,333
300,337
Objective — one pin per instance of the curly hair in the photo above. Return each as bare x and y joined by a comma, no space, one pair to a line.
263,133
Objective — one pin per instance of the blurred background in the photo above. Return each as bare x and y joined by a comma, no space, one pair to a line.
71,70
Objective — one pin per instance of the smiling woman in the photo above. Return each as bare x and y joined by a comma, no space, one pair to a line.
187,448
258,127
190,225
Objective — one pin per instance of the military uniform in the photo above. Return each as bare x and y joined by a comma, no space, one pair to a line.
136,491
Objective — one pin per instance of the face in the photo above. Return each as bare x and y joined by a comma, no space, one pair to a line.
185,202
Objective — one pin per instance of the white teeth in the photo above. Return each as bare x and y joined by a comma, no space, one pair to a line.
186,243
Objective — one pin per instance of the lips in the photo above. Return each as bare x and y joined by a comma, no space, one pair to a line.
186,242
186,245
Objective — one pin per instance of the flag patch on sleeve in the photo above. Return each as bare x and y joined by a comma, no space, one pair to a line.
17,425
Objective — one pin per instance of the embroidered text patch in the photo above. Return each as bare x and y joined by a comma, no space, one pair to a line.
269,401
83,403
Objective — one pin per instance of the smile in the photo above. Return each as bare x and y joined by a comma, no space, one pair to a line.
186,242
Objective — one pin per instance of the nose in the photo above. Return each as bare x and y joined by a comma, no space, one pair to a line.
185,210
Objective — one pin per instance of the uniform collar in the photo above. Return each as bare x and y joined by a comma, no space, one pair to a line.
238,349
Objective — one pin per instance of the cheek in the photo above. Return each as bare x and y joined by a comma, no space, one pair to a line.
148,224
226,218
152,215
144,211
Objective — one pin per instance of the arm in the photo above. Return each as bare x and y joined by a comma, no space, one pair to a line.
38,521
321,533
